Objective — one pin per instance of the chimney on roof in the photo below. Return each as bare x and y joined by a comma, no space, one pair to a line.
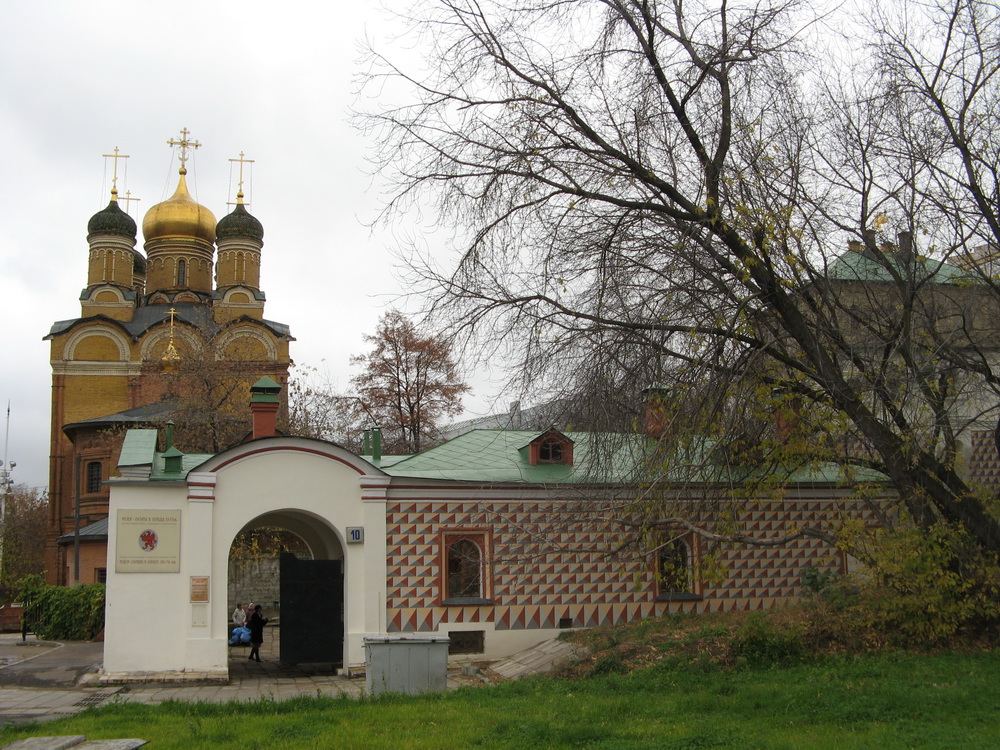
787,414
656,410
514,416
173,461
905,242
869,238
264,407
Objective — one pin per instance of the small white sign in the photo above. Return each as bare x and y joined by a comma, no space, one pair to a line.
199,615
355,534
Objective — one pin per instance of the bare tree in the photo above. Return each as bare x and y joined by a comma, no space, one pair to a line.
207,394
666,183
408,383
316,409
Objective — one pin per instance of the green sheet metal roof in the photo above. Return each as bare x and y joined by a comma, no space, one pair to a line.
188,462
859,266
139,449
501,456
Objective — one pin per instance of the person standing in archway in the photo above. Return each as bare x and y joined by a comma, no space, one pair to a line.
256,624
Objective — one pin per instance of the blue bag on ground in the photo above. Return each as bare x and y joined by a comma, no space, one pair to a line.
240,635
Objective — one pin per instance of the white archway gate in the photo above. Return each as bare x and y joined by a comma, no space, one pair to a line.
167,611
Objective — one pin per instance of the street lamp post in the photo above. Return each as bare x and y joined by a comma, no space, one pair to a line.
6,482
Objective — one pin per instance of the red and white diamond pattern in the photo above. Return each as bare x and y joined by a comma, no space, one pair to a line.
550,563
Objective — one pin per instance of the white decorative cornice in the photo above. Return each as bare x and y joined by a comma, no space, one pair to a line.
118,369
201,486
374,488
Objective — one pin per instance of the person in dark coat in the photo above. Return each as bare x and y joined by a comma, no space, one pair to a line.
256,624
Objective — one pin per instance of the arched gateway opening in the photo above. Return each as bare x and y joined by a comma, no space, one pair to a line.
292,563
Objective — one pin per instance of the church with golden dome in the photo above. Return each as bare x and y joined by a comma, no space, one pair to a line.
173,334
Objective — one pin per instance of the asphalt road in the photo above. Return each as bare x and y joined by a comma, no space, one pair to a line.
47,666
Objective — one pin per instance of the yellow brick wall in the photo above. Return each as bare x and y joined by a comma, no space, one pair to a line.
97,348
89,396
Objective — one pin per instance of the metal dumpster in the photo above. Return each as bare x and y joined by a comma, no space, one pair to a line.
408,664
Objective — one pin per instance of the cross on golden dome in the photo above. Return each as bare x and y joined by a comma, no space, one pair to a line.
185,144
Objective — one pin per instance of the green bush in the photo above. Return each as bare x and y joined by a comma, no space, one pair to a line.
760,642
928,586
62,613
611,663
816,580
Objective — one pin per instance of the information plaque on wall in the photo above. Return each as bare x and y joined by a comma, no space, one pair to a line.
355,534
148,541
199,588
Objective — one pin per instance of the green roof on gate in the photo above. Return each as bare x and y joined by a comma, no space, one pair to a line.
139,451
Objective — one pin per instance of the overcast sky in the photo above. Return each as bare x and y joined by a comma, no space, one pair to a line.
274,81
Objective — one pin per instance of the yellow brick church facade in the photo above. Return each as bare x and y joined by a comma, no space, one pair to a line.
173,332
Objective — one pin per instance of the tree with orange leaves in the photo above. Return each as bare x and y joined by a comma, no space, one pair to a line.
409,382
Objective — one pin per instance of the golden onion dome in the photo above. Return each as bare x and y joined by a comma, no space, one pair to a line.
179,215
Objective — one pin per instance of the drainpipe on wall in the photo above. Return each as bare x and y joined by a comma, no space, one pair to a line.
76,523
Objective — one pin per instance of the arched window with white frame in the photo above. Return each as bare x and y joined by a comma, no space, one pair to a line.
676,568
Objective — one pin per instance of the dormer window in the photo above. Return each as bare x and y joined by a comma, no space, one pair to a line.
550,452
551,447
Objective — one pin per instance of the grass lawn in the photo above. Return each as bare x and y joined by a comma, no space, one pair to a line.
885,701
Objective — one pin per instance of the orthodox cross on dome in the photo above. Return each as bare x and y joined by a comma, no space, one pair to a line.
114,180
128,197
239,189
185,144
170,357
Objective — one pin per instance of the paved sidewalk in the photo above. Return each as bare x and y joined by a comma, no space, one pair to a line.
535,660
38,701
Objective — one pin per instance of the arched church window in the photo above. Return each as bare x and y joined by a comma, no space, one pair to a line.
465,569
95,473
181,272
675,569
